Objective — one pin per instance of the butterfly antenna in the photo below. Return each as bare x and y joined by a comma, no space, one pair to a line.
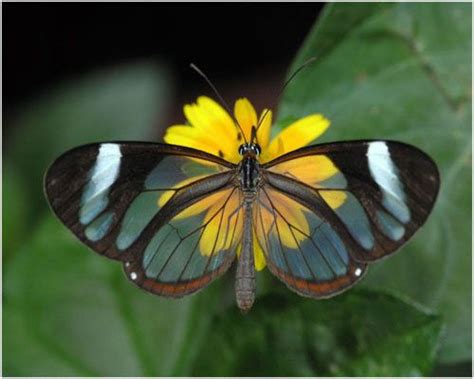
253,135
221,99
292,76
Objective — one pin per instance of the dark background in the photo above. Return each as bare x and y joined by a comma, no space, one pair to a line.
46,43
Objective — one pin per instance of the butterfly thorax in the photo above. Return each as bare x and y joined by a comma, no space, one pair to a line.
249,168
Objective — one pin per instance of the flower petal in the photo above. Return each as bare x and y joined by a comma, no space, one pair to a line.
259,256
310,170
197,207
185,135
293,214
284,211
263,132
211,130
246,116
211,118
224,226
333,198
217,117
296,135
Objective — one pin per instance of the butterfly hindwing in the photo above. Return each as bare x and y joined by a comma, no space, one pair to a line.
301,247
376,194
193,247
121,198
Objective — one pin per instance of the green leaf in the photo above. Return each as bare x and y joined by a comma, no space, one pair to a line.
360,333
68,311
15,212
119,103
403,71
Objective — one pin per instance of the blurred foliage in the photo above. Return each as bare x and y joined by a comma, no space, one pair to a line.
398,71
68,311
403,72
120,103
360,333
15,211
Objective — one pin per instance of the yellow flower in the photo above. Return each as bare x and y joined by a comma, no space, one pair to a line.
211,129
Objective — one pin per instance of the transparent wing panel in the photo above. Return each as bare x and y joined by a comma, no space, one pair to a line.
301,247
194,246
317,171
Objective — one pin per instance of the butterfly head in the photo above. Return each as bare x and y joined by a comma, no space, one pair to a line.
252,149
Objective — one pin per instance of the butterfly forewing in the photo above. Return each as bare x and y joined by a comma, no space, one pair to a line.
373,194
131,201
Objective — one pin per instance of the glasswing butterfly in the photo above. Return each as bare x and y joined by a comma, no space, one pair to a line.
178,217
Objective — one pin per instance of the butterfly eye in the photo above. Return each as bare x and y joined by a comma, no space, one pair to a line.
242,149
257,149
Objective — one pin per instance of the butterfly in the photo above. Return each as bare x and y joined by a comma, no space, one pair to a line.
178,217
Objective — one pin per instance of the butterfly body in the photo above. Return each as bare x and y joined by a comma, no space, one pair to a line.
250,180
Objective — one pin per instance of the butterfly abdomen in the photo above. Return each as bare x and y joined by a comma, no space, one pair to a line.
245,276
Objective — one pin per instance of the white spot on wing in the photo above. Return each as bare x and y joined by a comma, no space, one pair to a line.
382,169
358,271
133,275
385,174
103,175
106,169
